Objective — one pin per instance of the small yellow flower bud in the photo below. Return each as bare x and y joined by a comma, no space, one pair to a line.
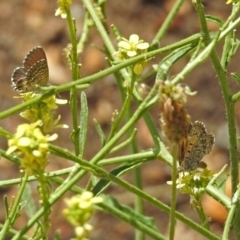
31,145
79,210
133,47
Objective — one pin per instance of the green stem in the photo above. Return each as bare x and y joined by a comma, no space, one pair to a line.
115,211
43,191
56,196
13,232
84,34
142,156
106,39
124,109
11,182
99,26
174,192
148,120
95,77
122,113
100,155
139,206
221,72
168,20
15,209
125,143
217,194
205,53
75,76
130,188
231,214
148,155
201,214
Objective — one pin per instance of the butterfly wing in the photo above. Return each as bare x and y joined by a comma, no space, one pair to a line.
38,74
33,73
200,143
35,55
209,143
189,162
19,79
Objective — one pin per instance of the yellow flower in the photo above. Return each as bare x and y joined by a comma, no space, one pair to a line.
63,7
82,232
32,146
133,47
193,183
80,208
44,110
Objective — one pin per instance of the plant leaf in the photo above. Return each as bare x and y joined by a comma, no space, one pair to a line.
100,132
102,184
83,123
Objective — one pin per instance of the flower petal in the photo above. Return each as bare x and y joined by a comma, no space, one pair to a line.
142,46
24,141
134,38
131,53
125,45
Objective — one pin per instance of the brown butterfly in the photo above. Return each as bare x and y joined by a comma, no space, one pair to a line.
33,73
198,144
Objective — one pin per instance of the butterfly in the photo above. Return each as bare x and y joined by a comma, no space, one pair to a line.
197,144
33,73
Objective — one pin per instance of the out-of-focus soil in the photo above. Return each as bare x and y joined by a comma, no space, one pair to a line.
29,23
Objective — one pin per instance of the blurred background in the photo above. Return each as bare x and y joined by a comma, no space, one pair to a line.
29,23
